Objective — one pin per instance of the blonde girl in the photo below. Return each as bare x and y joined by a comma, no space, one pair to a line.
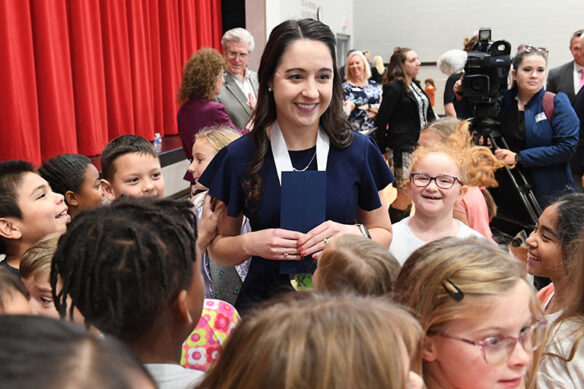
437,180
477,208
308,340
481,319
221,282
356,264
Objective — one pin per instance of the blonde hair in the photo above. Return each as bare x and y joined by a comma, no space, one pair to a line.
217,136
477,164
37,259
356,264
311,340
367,67
378,64
432,277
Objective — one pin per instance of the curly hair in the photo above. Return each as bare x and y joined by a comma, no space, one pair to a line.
200,75
477,163
122,264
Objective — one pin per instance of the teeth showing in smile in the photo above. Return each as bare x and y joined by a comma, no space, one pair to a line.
531,257
432,197
306,106
62,214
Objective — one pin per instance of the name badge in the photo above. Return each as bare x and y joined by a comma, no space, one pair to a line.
540,116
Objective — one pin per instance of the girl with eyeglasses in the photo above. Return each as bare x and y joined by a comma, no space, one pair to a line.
438,179
482,322
540,145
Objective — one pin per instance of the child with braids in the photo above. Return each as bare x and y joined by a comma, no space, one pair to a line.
29,210
133,270
130,166
438,179
76,178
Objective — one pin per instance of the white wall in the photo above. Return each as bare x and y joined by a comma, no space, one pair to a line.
338,14
431,27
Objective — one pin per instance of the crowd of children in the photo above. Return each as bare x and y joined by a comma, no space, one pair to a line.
131,272
130,297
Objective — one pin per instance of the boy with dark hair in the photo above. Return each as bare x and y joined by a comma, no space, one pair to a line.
29,210
130,166
133,270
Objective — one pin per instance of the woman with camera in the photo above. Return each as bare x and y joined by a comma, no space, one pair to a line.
406,109
540,145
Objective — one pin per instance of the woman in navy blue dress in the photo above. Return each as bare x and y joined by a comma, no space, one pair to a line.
298,126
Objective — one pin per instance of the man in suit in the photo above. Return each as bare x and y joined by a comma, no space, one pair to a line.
239,93
566,78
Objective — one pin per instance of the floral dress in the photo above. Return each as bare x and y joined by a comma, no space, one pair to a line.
360,95
201,349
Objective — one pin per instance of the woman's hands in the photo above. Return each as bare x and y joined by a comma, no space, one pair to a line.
316,239
507,157
274,243
348,107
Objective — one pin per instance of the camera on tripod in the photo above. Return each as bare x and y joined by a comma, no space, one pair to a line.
486,69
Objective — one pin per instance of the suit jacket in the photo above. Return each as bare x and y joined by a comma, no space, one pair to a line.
561,79
194,115
399,109
235,101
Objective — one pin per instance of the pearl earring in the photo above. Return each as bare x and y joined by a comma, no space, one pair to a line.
269,89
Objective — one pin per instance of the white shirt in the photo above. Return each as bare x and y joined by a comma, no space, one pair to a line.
244,84
577,76
170,376
554,372
405,242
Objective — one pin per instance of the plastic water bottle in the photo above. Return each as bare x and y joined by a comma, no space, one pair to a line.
157,142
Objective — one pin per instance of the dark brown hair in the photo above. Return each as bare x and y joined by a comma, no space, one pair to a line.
332,121
396,70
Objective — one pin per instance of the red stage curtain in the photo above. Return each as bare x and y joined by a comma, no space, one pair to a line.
76,74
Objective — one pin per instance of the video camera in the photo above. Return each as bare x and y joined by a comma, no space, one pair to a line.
486,69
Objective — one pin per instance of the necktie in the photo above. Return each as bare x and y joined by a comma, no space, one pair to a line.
581,79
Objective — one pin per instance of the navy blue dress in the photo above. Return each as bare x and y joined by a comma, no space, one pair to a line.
355,175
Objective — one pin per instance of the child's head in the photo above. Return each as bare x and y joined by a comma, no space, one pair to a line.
13,296
429,82
130,166
76,178
208,142
29,209
478,163
38,352
473,303
309,340
131,263
555,237
35,271
352,263
436,182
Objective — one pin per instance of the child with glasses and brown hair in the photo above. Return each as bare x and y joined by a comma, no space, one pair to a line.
481,319
438,179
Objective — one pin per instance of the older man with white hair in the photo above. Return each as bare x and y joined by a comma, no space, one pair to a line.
239,93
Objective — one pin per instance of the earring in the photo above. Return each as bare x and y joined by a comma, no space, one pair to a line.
269,89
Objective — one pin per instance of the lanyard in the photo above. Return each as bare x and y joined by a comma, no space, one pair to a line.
282,157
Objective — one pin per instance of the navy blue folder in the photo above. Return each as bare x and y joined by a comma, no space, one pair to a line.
303,206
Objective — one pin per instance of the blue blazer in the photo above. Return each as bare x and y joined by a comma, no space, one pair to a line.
550,146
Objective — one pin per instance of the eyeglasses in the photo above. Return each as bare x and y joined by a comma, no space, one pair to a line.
533,49
234,54
443,181
498,349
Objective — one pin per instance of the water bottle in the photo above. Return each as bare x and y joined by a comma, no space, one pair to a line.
157,142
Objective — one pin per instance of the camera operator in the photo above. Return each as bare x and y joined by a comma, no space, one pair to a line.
541,146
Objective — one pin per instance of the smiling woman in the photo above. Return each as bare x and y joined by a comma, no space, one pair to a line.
299,126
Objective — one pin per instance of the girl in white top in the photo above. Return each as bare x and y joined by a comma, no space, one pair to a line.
437,182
